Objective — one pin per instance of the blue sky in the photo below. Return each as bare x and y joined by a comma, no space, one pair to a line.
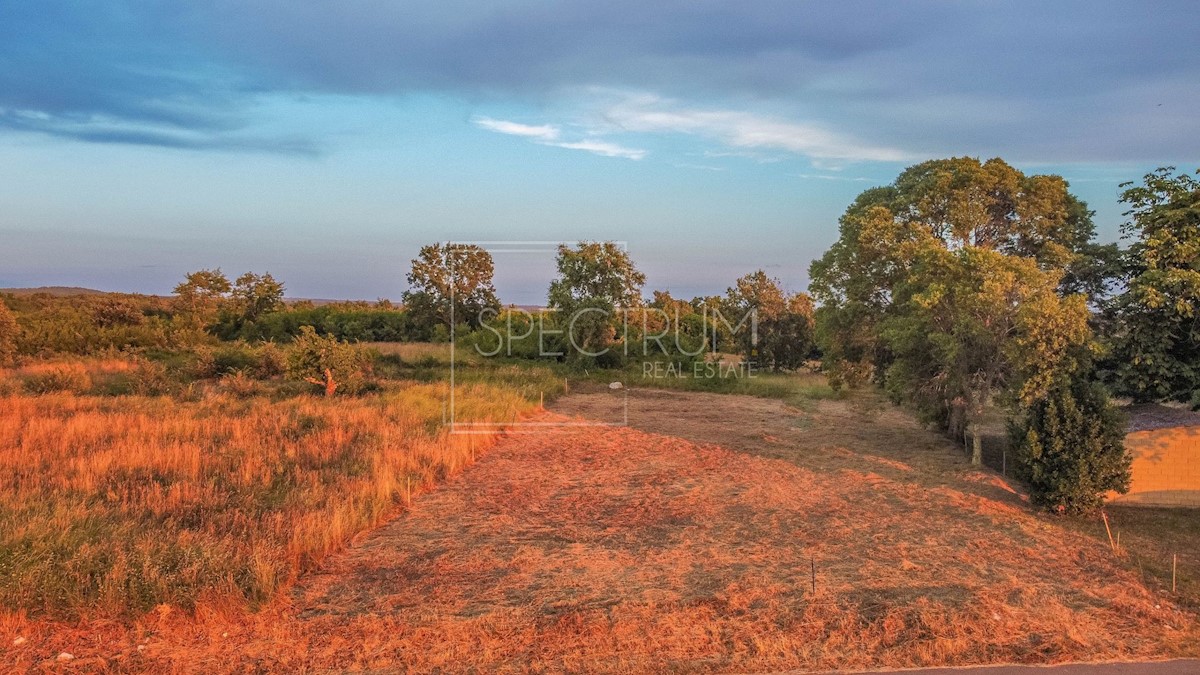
325,142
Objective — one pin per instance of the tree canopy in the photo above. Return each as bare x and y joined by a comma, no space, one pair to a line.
774,329
451,284
1156,331
595,279
955,287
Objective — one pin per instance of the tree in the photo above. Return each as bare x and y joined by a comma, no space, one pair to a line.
595,279
1070,446
254,295
775,329
974,324
326,362
451,284
950,204
201,294
9,331
1156,345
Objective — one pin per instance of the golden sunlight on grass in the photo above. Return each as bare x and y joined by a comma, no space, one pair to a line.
112,505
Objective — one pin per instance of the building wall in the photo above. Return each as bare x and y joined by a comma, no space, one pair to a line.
1166,467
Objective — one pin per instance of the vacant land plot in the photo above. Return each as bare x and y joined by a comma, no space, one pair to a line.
715,533
111,505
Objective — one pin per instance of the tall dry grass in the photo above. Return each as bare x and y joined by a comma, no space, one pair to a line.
112,505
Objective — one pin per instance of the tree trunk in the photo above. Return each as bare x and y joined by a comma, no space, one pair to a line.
976,446
328,383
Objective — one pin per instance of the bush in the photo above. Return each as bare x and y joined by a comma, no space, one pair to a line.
262,361
72,377
1071,448
143,378
8,334
328,363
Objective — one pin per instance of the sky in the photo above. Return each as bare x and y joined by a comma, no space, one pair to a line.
325,142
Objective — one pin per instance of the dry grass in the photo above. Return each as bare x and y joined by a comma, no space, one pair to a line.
653,548
112,505
415,352
1156,544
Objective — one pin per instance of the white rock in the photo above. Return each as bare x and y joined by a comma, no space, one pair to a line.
17,642
65,656
614,385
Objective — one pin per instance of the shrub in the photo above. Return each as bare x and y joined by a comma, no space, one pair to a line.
1071,447
328,363
241,385
72,377
8,334
262,361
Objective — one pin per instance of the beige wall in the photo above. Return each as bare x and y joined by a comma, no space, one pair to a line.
1166,467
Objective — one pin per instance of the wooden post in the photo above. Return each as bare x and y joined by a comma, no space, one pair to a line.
542,400
1111,543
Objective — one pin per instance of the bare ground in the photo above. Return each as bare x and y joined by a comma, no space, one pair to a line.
715,533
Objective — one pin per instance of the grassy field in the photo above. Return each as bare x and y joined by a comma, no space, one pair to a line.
222,492
794,527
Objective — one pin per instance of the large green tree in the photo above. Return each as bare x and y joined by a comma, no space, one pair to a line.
952,204
595,280
972,326
451,284
961,285
1156,332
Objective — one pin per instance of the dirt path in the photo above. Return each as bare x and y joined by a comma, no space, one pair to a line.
841,537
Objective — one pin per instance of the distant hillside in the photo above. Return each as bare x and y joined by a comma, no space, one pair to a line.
53,290
67,291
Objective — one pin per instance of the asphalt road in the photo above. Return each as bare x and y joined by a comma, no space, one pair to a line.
1175,667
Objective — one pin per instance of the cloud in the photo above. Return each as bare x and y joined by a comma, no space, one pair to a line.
548,134
1075,80
102,129
737,129
824,176
602,148
543,132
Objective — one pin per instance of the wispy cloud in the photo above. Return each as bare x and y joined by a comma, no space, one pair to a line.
549,134
543,132
647,113
746,154
602,148
823,176
105,129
